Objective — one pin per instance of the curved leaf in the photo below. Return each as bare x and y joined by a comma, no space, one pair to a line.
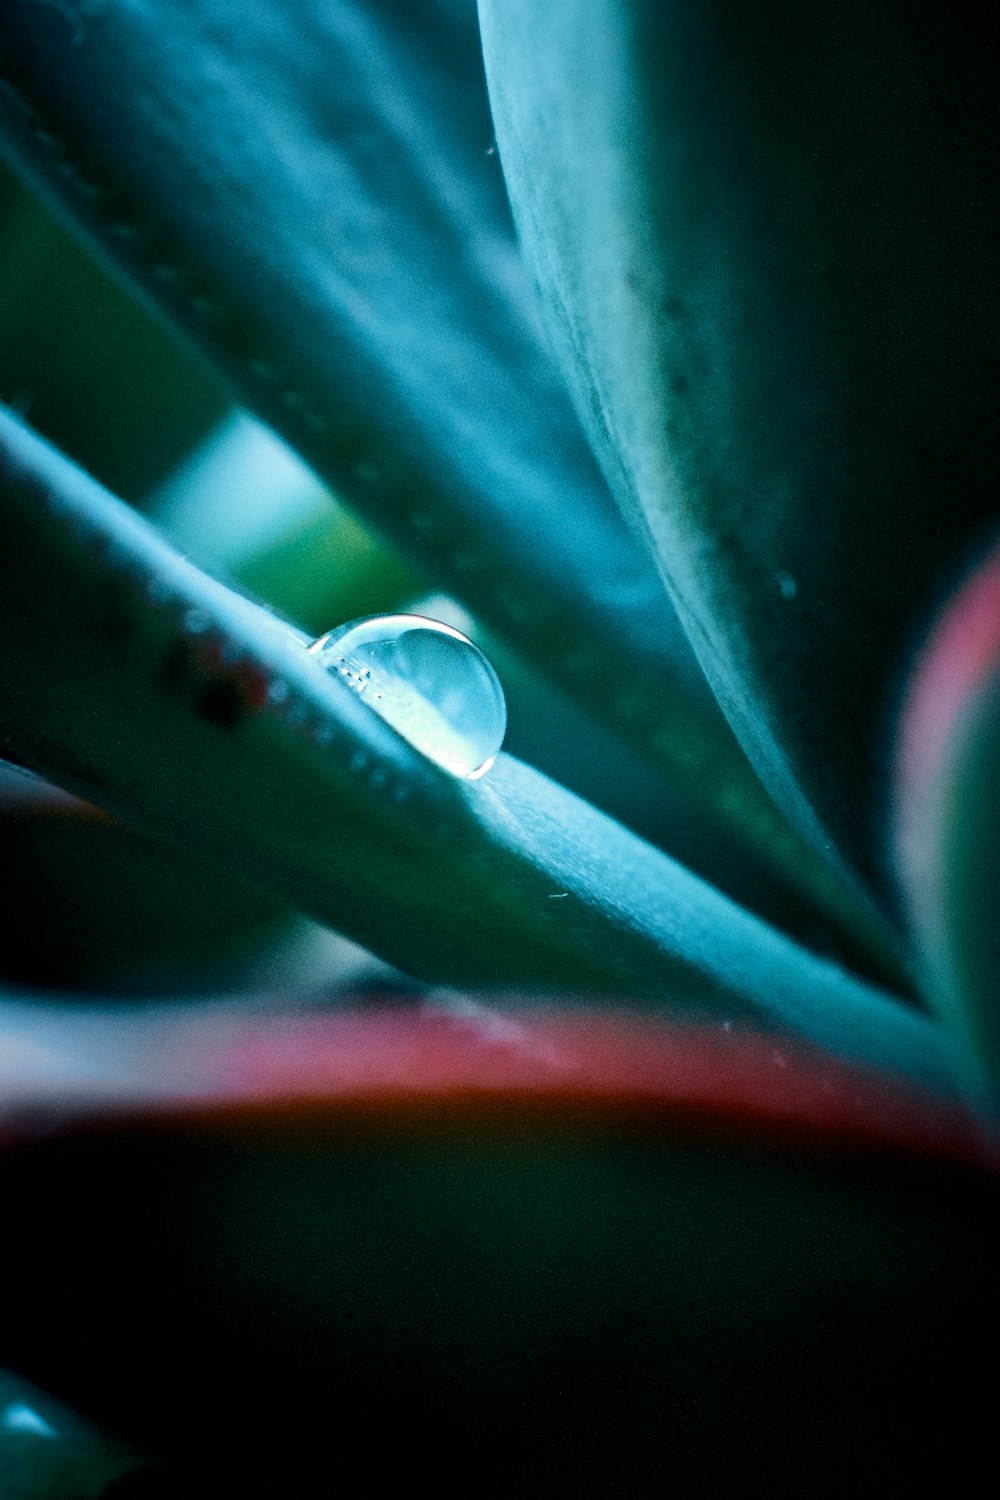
594,1250
345,255
245,509
948,811
448,1054
769,251
129,677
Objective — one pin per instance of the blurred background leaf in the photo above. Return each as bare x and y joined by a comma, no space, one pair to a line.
573,1253
49,1453
947,831
85,362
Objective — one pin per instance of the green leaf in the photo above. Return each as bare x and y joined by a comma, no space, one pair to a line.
132,679
99,907
245,508
948,812
768,251
85,361
344,253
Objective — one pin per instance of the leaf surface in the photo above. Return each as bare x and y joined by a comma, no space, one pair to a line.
769,252
132,679
310,193
947,827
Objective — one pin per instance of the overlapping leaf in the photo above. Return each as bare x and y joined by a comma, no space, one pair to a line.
134,680
310,193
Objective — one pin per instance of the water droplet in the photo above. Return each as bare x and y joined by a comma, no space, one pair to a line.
428,681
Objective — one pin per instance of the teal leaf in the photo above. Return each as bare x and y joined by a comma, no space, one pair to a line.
84,360
99,907
132,679
768,254
345,255
48,1452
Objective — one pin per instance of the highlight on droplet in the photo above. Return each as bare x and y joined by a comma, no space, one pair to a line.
428,681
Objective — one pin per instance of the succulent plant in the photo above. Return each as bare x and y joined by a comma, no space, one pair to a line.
622,1117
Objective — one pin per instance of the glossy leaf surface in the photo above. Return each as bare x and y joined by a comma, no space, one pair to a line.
768,245
132,679
345,254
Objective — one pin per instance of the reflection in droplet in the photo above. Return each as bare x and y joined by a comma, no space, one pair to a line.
428,681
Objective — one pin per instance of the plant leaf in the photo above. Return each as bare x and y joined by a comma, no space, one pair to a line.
93,906
769,257
579,1244
132,679
48,1452
86,362
345,255
948,811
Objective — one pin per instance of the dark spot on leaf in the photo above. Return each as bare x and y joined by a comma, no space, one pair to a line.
673,307
679,384
221,704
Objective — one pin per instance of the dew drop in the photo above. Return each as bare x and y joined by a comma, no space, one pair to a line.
428,681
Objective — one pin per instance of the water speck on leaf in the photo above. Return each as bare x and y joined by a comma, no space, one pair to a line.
428,681
196,621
